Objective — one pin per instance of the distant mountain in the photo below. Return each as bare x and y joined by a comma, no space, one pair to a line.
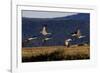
61,28
79,16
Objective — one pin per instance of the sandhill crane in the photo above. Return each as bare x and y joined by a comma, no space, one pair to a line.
78,34
44,33
67,42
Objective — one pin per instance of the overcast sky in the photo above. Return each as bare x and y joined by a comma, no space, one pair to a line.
44,14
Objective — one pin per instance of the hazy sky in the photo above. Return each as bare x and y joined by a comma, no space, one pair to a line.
44,14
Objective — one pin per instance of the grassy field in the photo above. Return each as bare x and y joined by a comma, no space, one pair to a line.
55,53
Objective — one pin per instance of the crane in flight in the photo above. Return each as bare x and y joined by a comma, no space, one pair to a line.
78,34
67,42
45,33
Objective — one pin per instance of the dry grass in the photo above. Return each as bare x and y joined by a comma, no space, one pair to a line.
54,53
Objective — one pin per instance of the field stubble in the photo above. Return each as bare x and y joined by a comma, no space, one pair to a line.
55,53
